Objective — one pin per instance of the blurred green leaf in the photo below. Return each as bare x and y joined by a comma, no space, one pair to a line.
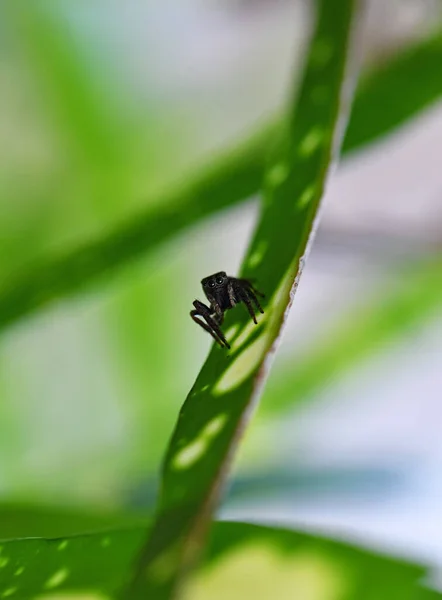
90,118
216,410
87,117
233,177
396,91
285,564
30,520
410,300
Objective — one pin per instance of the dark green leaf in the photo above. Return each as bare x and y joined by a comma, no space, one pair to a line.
284,564
29,520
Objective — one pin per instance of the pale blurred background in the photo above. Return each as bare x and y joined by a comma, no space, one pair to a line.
101,104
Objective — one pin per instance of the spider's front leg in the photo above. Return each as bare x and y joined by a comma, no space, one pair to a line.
246,293
211,325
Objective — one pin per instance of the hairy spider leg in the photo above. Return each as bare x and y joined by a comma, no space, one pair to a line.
252,292
243,293
231,292
212,326
249,284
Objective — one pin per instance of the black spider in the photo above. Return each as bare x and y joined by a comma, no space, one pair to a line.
223,292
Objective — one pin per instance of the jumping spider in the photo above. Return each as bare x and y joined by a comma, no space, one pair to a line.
223,293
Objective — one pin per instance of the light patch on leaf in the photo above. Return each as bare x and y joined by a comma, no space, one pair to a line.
162,566
277,174
188,455
247,331
19,572
243,365
306,197
3,561
276,574
63,545
311,142
9,592
322,52
57,579
230,333
214,426
258,254
106,542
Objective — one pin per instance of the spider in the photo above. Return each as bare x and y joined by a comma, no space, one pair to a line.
223,293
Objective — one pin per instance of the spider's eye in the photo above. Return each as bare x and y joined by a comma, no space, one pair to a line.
219,280
212,283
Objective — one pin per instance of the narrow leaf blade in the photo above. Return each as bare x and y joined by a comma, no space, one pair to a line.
219,405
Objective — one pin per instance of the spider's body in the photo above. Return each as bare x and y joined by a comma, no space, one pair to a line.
223,293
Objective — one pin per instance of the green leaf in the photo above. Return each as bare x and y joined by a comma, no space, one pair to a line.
219,404
395,92
31,520
231,178
71,88
283,562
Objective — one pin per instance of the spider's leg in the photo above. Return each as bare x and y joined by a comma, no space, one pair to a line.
242,292
194,314
211,326
231,292
251,293
219,314
219,318
248,283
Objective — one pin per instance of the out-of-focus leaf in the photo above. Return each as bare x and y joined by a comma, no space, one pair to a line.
395,92
243,561
87,118
29,520
408,302
249,561
217,409
233,177
90,119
